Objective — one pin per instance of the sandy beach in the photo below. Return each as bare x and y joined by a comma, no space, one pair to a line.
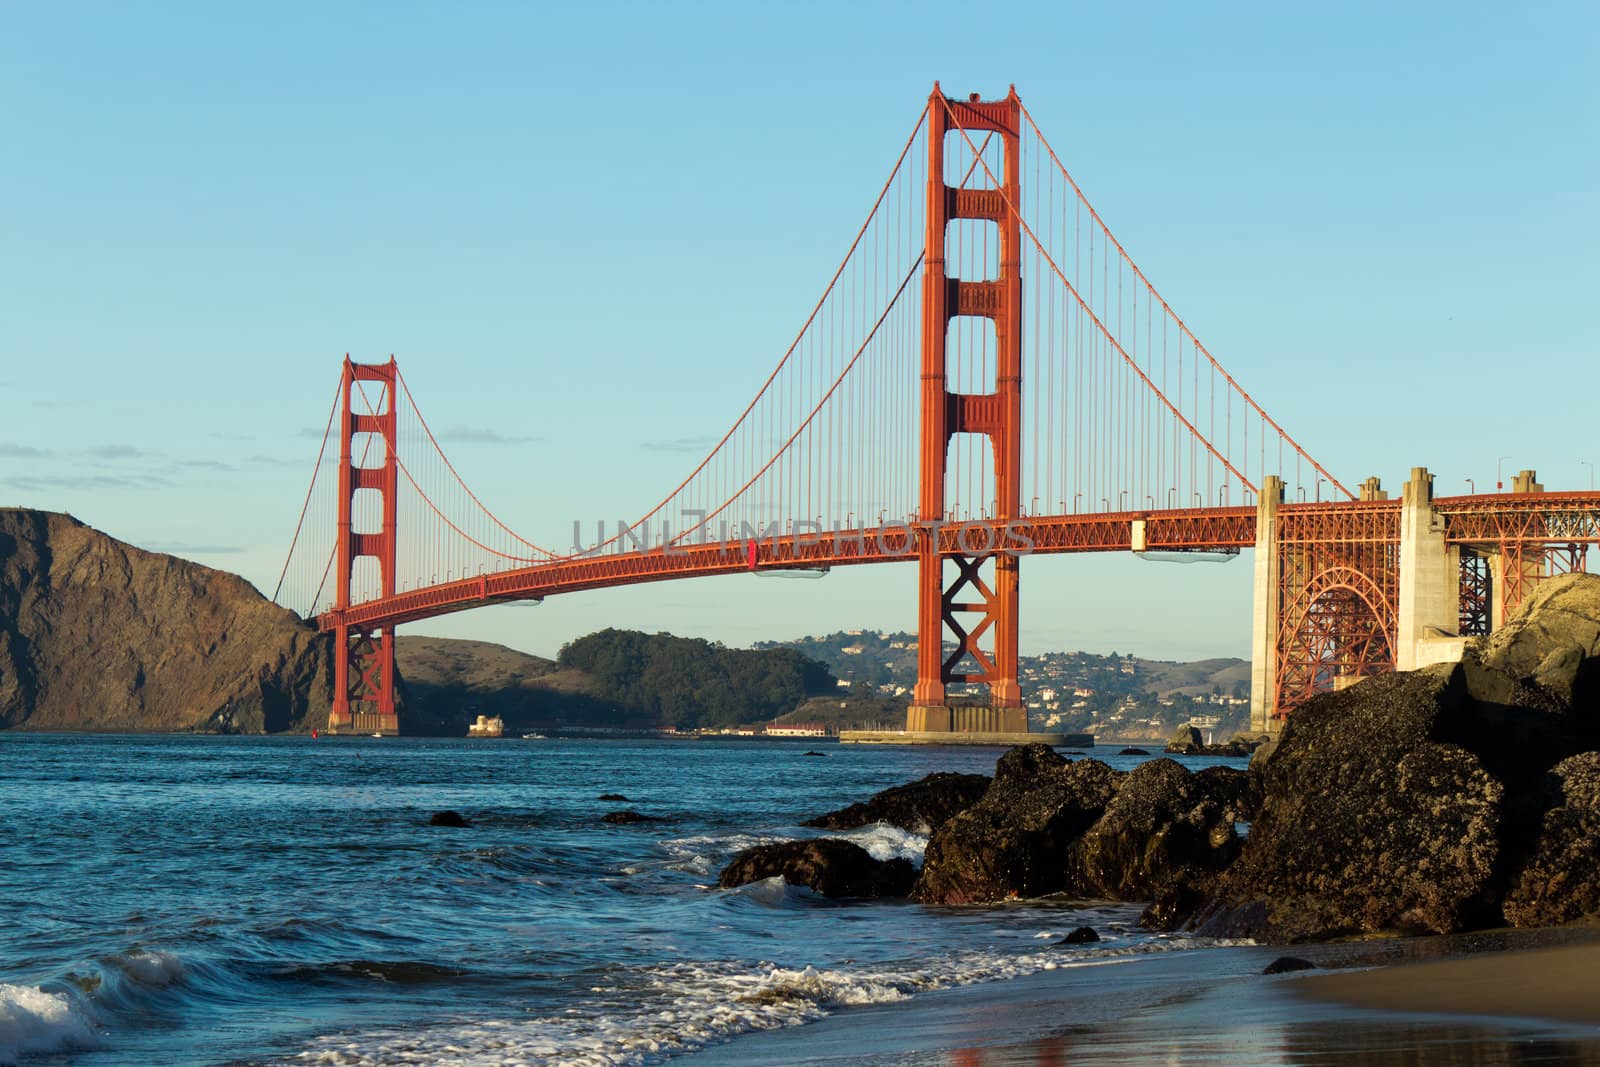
1383,1003
1560,983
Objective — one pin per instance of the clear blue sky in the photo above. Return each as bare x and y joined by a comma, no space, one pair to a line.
592,228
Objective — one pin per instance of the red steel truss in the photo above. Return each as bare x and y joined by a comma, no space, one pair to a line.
1534,536
1338,593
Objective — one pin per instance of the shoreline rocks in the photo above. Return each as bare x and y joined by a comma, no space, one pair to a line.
1456,797
1013,842
830,865
1189,741
919,807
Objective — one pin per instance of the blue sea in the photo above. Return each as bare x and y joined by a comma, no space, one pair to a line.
222,900
240,901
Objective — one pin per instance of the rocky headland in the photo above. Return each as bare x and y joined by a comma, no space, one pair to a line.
96,634
1458,797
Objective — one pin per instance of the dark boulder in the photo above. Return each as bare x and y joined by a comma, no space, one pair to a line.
1287,965
615,797
1163,827
1575,782
1368,823
1133,752
1013,842
1560,881
1176,905
627,817
920,807
1083,935
829,865
448,818
1237,791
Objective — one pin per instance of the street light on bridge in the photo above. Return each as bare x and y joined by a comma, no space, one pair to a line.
1472,487
1499,482
1590,465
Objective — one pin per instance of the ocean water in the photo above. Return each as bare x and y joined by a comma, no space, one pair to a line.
213,900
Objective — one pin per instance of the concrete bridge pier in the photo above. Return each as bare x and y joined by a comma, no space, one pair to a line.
1429,613
1264,621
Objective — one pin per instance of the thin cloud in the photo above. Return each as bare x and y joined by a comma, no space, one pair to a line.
117,452
16,451
35,484
477,435
207,465
682,444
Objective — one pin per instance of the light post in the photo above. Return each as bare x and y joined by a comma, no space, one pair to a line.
1590,465
1499,482
1472,487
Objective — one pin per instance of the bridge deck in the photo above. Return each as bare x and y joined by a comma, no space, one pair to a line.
1482,519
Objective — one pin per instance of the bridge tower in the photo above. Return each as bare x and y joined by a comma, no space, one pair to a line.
363,658
989,602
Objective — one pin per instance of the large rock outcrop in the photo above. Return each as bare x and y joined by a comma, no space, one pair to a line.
1165,827
1014,841
96,634
1456,796
921,806
1560,881
1368,822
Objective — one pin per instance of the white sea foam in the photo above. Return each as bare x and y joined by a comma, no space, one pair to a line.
151,968
34,1021
885,841
708,853
669,1009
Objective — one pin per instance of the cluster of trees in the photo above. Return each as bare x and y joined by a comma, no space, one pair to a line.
687,682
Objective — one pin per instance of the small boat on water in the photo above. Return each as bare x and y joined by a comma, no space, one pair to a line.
534,737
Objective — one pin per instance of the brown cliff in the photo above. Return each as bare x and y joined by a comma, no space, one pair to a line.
96,634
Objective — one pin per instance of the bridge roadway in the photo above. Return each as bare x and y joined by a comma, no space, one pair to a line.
1554,518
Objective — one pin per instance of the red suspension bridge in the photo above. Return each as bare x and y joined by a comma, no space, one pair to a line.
986,376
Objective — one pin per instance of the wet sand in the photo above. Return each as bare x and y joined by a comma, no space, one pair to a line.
1547,983
1213,1006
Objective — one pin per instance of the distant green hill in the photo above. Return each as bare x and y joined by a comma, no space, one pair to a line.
616,678
688,682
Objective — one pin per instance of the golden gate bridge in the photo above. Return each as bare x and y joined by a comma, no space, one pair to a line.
987,375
